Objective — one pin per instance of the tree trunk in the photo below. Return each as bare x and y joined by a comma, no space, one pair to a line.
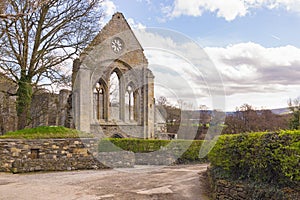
24,94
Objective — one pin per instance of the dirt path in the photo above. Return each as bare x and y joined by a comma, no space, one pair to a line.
141,182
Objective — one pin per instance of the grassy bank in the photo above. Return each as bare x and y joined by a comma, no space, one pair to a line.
45,132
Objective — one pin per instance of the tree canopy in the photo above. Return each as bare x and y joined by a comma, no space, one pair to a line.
37,37
294,106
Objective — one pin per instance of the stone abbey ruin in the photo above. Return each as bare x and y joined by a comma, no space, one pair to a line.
112,90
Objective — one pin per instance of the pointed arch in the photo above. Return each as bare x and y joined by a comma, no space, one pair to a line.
117,135
100,100
131,103
116,95
123,63
117,71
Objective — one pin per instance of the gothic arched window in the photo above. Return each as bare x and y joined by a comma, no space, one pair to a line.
99,101
129,104
114,96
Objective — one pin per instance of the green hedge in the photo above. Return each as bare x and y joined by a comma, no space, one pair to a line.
186,151
259,157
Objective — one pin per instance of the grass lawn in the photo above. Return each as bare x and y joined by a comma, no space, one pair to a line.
46,132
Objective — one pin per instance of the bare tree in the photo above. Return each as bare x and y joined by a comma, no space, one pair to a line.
8,15
2,8
248,119
38,37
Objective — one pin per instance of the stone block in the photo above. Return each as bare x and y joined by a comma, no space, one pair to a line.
81,151
15,150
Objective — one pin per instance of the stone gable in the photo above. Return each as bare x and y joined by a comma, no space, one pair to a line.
115,26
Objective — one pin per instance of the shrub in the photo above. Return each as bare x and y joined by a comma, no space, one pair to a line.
134,145
259,157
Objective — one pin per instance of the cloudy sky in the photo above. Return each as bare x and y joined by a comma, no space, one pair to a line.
253,46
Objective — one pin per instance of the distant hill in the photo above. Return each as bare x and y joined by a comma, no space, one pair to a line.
281,111
277,111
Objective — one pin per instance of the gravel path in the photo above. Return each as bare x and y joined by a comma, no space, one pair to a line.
141,182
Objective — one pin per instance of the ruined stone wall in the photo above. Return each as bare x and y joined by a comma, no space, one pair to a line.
48,155
8,116
50,109
96,64
47,109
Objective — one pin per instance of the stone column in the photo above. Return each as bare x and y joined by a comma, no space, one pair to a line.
122,91
106,104
85,93
150,104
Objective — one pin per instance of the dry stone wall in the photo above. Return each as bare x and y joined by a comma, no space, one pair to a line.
21,155
223,189
18,155
118,159
155,158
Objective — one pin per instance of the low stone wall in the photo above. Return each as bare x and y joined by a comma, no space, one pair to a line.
118,159
21,155
155,158
18,155
62,164
222,189
225,190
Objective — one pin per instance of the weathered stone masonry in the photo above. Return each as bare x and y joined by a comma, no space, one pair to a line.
223,189
20,155
17,155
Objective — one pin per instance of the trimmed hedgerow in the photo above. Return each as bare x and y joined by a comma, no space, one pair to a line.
186,151
128,144
259,157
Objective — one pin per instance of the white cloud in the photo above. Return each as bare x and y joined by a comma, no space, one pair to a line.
250,67
259,76
181,67
109,8
147,1
229,9
135,25
250,72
